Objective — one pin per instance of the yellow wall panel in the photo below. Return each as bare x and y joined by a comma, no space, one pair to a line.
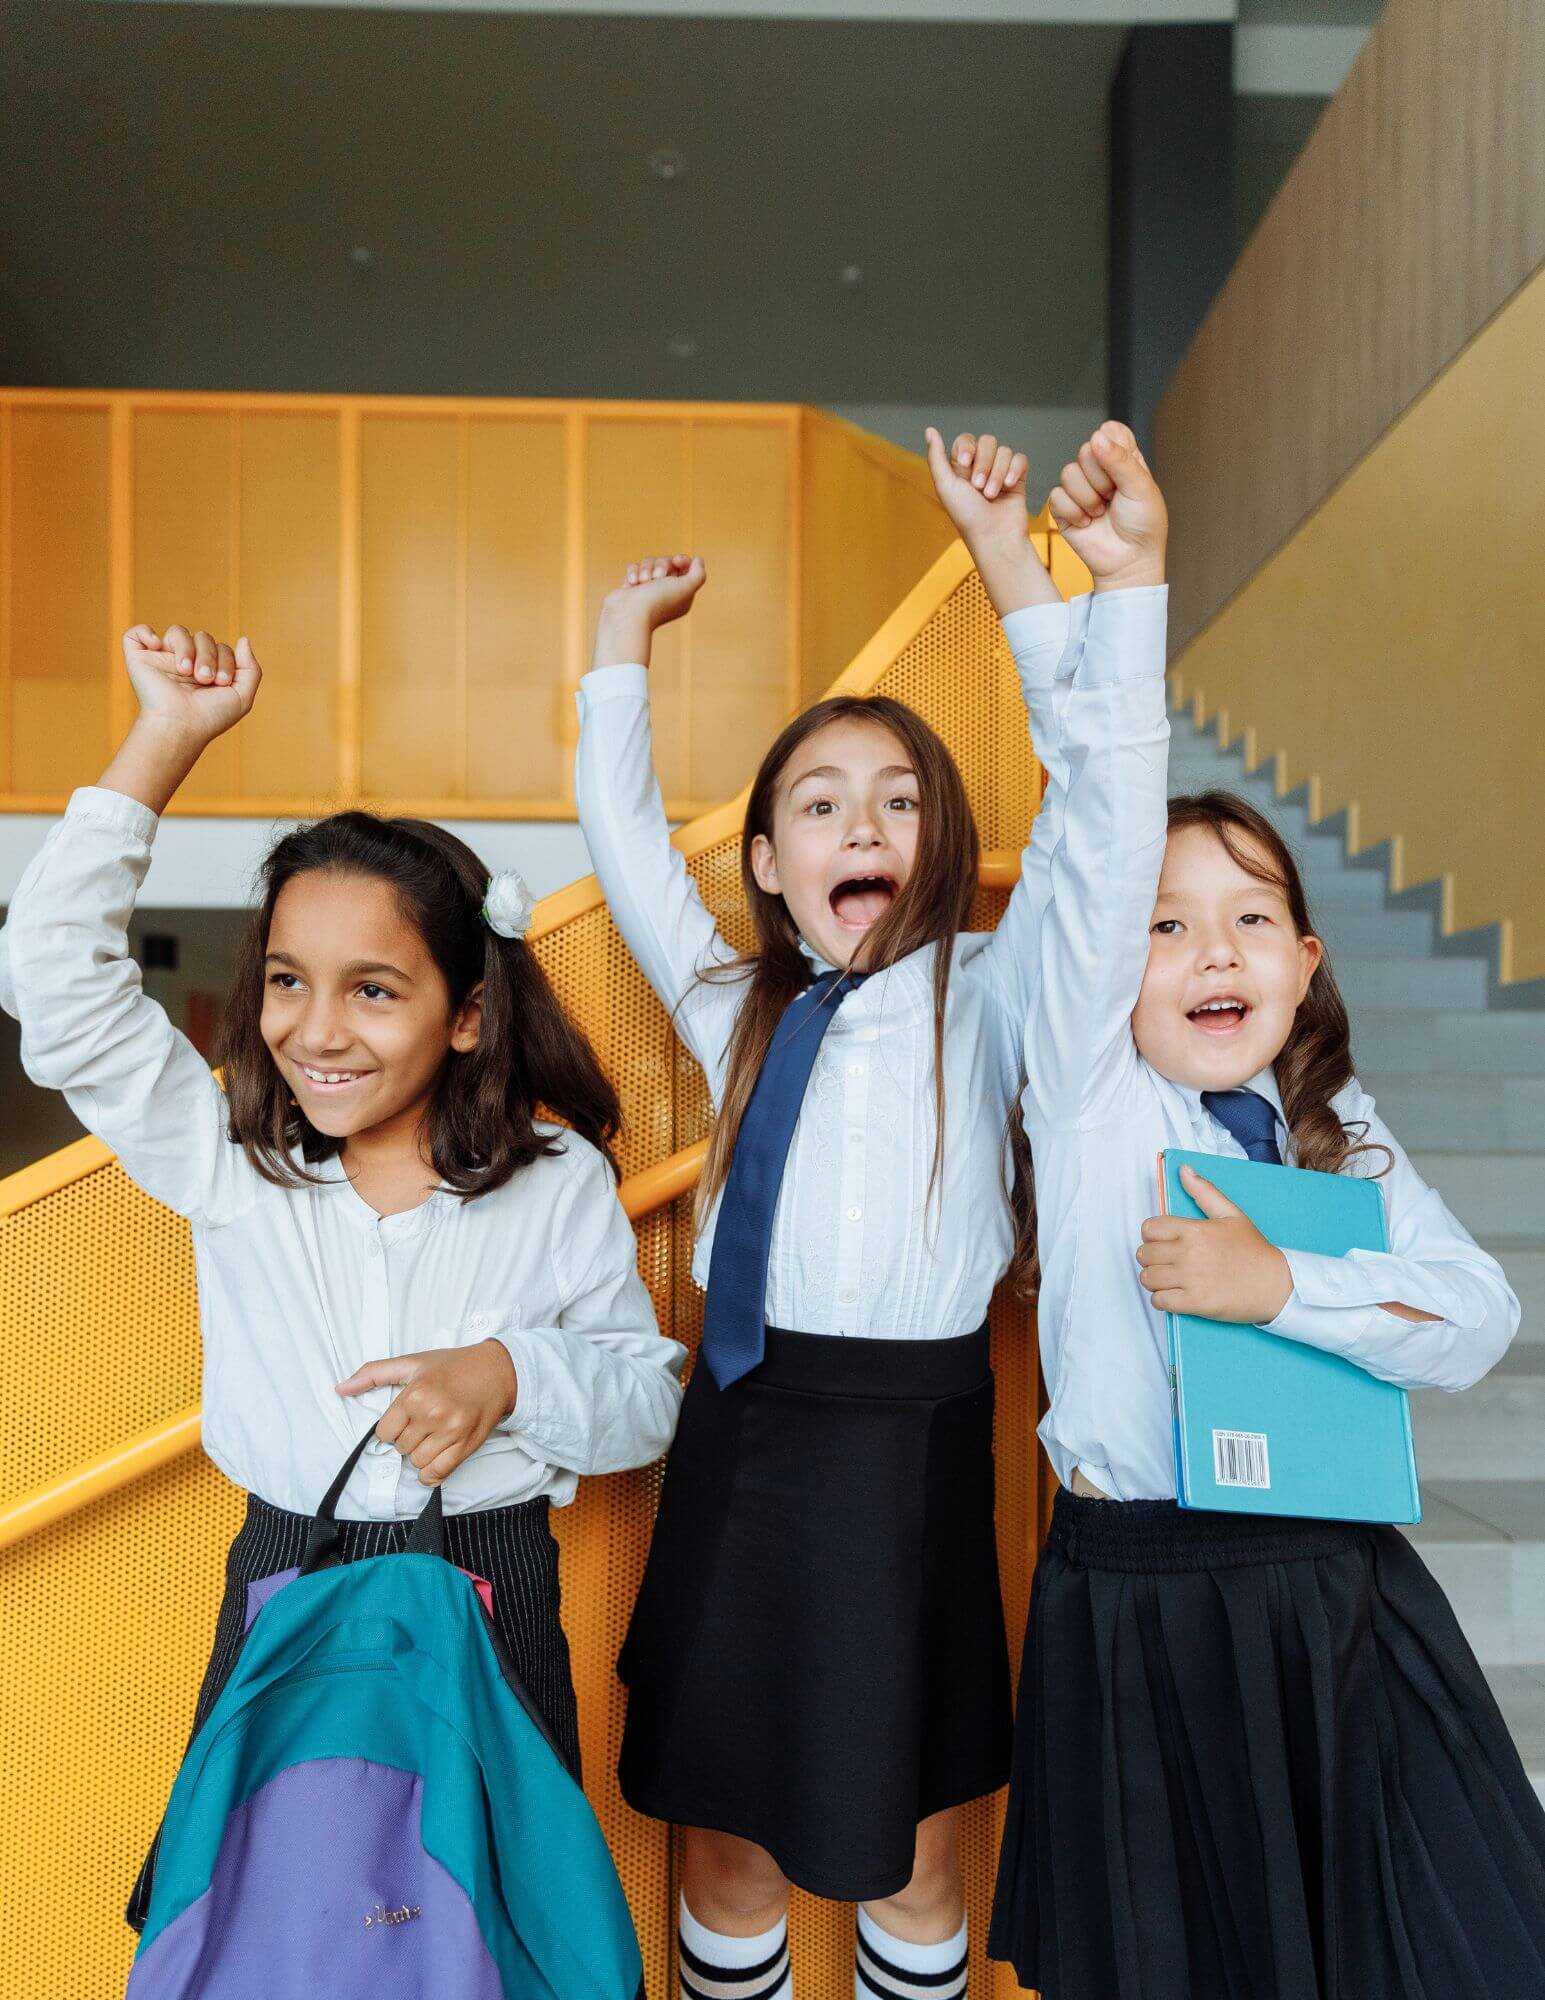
638,503
411,607
288,582
1392,648
56,652
518,733
184,560
742,691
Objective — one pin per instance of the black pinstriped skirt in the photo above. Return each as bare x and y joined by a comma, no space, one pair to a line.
1256,1760
511,1547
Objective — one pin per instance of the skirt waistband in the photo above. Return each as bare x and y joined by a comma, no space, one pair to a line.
832,1364
472,1521
1156,1537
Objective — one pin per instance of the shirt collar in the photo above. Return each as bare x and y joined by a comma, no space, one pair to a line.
1263,1083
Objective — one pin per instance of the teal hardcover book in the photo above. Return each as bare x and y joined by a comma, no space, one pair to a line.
1264,1424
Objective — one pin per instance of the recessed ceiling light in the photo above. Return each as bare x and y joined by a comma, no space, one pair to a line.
681,346
852,274
666,164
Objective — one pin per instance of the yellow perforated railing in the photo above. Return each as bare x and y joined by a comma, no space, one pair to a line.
112,1575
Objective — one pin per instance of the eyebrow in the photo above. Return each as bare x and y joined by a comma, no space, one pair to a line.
355,969
837,771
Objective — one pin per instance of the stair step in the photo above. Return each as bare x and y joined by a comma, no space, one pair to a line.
1418,1041
1494,1578
1412,983
1491,1113
1497,1193
1344,887
1524,1265
1494,1431
1375,933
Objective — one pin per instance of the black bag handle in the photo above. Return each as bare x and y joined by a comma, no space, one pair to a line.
324,1544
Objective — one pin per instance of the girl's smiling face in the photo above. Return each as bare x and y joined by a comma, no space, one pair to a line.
844,839
356,1014
1227,967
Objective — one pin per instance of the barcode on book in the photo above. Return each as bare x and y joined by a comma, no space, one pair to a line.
1239,1458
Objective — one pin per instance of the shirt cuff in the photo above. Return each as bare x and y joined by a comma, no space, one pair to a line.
94,805
614,683
1127,636
1047,640
1332,1297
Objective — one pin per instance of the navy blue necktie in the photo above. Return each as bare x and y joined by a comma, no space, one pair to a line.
735,1316
1249,1118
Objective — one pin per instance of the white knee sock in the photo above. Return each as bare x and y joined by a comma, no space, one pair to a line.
889,1968
732,1968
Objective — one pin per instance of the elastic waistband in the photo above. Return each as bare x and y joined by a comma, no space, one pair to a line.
1158,1536
833,1364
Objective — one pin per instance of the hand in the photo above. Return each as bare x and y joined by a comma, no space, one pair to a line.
1111,512
452,1397
655,592
1220,1268
981,486
190,682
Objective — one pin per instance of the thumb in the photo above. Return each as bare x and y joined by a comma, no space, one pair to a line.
938,460
1116,449
1214,1206
391,1373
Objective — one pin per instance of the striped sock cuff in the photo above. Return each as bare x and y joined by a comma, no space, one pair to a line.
888,1968
714,1967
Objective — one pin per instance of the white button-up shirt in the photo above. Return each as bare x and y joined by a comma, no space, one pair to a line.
858,1247
1098,1116
298,1288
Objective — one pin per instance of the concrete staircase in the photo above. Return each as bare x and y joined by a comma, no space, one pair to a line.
1460,1078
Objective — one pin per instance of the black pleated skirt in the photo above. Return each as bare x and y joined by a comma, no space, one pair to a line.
1256,1760
512,1548
817,1660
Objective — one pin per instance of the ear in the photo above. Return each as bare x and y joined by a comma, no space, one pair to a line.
467,1025
764,865
1310,953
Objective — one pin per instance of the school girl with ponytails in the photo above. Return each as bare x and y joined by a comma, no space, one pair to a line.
1255,1757
817,1666
386,1227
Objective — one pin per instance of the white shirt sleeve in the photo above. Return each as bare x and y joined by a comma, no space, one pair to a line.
1102,849
1046,641
1433,1263
89,1029
653,900
600,1391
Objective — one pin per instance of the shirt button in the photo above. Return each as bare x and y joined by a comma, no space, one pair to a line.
375,1248
847,1295
855,1069
854,1214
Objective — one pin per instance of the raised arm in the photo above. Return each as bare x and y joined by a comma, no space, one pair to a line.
1103,845
88,1028
653,900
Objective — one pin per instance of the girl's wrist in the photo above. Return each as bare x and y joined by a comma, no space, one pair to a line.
621,639
152,761
1143,574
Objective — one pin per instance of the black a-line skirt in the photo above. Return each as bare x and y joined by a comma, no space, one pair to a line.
512,1548
1256,1760
817,1660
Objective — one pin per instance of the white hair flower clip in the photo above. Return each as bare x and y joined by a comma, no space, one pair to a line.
508,906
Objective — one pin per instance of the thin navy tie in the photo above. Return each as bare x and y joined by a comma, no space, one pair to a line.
735,1315
1249,1118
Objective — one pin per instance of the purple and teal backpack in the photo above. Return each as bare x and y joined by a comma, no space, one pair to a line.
374,1809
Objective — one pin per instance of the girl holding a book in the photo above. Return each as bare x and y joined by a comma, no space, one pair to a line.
1255,1758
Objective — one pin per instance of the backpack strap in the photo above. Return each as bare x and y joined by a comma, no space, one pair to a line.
324,1544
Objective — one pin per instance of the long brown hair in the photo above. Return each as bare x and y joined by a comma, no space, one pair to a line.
479,1127
932,907
1316,1059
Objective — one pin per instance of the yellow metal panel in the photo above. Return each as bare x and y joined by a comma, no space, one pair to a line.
56,637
